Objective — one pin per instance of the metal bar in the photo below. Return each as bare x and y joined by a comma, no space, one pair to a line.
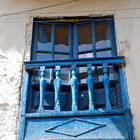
78,62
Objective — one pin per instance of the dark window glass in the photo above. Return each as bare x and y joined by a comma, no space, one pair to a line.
102,35
84,40
44,37
61,38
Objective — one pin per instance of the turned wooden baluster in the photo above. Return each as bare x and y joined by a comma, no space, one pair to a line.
42,88
74,90
106,86
57,86
90,87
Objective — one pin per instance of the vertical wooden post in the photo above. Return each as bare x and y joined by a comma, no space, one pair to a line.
57,86
42,88
90,87
106,86
124,89
23,103
74,90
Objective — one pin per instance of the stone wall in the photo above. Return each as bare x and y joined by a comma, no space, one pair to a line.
15,42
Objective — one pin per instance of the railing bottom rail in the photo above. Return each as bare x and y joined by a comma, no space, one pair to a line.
48,114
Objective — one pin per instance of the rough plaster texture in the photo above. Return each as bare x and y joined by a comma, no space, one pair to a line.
15,42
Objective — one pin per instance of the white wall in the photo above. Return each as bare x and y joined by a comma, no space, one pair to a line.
15,42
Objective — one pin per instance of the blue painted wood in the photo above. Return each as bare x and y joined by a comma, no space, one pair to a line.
75,42
106,86
34,41
52,39
78,62
39,118
24,91
74,90
93,37
70,41
116,128
57,86
76,122
123,84
54,114
111,30
90,87
42,89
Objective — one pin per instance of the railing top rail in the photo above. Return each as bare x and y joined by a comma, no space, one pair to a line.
77,62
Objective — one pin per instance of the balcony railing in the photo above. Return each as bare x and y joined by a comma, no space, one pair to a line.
74,85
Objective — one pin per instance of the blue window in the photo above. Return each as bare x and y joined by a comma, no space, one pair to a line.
74,71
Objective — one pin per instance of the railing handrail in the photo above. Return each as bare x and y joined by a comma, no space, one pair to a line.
77,62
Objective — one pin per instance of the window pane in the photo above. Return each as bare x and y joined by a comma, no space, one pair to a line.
111,73
43,56
104,54
44,38
84,37
65,76
60,56
61,38
86,55
102,35
82,75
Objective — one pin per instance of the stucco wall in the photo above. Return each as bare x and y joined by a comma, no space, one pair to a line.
15,42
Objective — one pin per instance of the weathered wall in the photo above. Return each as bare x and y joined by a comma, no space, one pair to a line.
15,37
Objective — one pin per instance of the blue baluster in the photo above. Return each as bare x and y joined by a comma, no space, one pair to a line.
90,87
42,88
106,86
57,86
74,90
